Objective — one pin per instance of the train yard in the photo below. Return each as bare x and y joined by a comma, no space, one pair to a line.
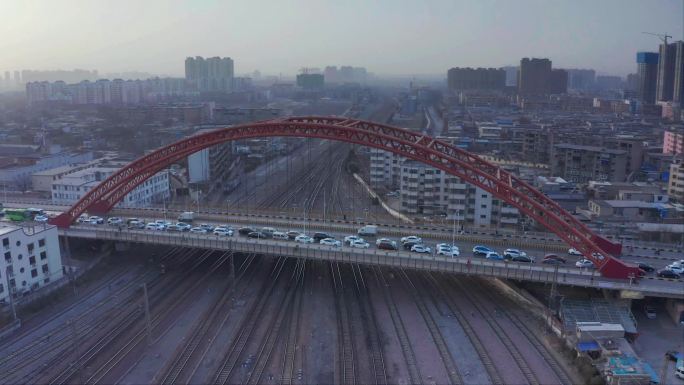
222,318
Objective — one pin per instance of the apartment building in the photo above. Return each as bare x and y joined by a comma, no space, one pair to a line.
31,259
580,164
675,186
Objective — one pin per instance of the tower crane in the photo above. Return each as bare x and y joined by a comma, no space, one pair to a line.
662,37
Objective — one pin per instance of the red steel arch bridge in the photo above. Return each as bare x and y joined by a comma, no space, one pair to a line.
437,153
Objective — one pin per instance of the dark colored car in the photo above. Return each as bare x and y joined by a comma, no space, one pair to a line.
665,273
555,257
409,245
646,267
552,261
293,234
245,230
521,258
256,234
318,236
387,246
673,355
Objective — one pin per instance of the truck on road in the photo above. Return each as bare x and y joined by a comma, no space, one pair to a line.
186,216
368,230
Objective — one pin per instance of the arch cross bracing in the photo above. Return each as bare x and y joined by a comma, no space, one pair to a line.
434,152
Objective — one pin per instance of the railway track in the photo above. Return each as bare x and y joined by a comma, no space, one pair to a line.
370,326
485,358
122,323
402,335
452,370
275,328
290,346
531,334
346,360
253,317
51,344
205,330
491,320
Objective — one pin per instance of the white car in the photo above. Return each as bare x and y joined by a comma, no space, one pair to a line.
222,231
421,249
450,252
304,239
411,239
198,230
676,268
352,238
359,244
584,263
510,253
41,218
183,226
114,221
83,219
330,242
154,226
574,252
95,220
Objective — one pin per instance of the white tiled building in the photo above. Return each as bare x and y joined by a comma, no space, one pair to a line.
429,191
70,187
31,258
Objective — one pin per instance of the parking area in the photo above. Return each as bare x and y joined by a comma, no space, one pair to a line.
657,336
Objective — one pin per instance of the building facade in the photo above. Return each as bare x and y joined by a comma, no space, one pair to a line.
70,187
214,74
476,78
31,259
647,71
534,76
673,142
675,187
581,164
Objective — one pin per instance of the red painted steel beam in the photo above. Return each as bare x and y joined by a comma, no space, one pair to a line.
442,155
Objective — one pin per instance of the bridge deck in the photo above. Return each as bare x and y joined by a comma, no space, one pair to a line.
462,265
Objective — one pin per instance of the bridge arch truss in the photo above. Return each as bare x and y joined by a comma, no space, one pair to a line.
437,153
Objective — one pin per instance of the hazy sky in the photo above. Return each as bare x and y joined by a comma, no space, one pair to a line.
386,36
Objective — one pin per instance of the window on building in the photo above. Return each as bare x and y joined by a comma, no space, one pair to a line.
5,242
23,283
18,243
34,273
43,255
32,260
484,196
19,257
8,257
45,268
483,206
41,242
30,247
12,283
2,288
46,280
483,216
21,270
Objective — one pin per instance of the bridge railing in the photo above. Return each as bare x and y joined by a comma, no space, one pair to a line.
399,259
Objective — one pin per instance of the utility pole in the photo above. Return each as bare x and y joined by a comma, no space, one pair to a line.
148,324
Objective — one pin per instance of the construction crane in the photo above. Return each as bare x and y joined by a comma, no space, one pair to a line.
662,37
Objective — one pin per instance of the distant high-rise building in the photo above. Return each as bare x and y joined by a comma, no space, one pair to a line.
607,82
647,69
581,79
214,74
17,79
534,76
678,87
558,82
476,79
666,72
7,80
310,81
511,76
